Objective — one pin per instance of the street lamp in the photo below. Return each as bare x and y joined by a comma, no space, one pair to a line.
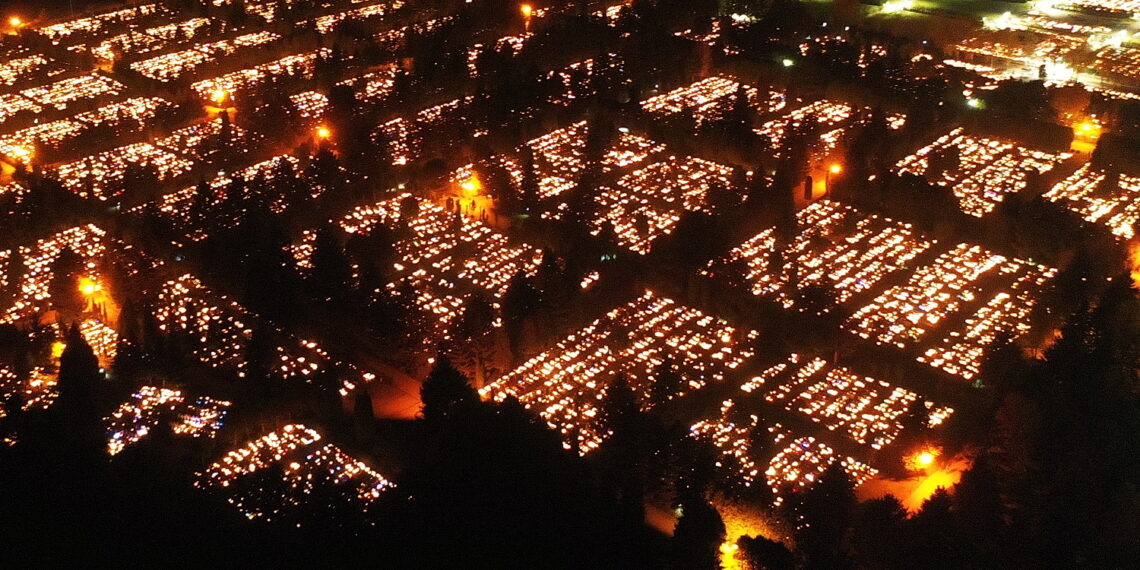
219,95
527,10
323,132
835,168
923,458
89,286
471,186
1088,129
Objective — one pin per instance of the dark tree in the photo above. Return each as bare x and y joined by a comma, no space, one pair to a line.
14,269
916,420
528,190
445,390
64,284
374,254
499,467
363,417
478,348
259,354
667,382
698,536
825,512
331,274
759,553
520,302
934,533
978,503
878,532
619,412
79,379
272,285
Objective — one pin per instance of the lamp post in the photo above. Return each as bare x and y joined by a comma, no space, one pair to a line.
321,136
833,169
221,99
92,289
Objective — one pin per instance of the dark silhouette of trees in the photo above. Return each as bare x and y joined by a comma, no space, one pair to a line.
916,420
619,412
445,391
824,513
63,287
14,269
331,275
373,253
139,179
698,535
528,189
259,355
979,507
934,532
878,532
202,204
520,303
478,348
667,382
486,466
271,285
400,322
759,553
1021,99
77,406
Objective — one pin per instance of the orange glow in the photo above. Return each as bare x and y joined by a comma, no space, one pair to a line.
740,520
15,22
323,132
923,459
1088,128
89,286
728,555
219,95
471,186
1134,262
915,490
57,349
939,479
1086,131
526,10
835,168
